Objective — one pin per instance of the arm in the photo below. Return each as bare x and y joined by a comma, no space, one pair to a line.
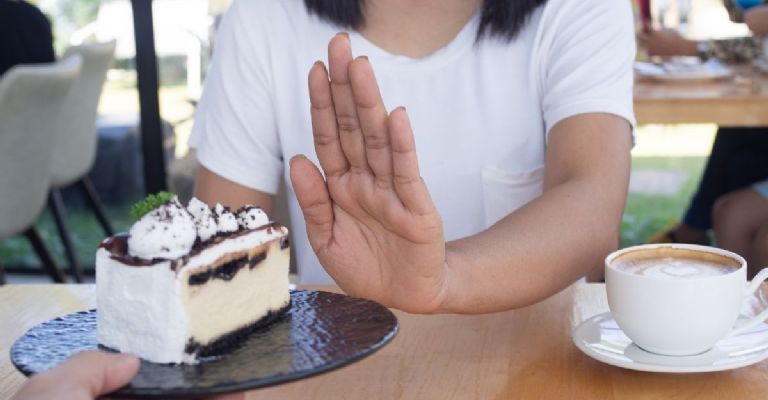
376,231
757,20
549,243
668,42
212,188
235,131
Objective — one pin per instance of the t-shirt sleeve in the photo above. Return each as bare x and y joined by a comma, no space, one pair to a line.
587,53
235,131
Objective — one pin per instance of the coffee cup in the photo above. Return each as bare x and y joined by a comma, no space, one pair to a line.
679,299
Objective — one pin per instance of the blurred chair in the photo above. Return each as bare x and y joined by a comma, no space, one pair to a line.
31,103
75,144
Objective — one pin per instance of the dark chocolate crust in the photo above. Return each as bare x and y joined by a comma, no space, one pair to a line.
230,340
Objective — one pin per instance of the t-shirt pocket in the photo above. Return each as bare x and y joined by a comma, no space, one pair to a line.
505,191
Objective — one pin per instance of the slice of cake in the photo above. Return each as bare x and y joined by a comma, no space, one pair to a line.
190,282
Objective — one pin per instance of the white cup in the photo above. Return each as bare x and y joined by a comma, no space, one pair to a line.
684,315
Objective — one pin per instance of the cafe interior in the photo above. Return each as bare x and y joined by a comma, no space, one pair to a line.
603,264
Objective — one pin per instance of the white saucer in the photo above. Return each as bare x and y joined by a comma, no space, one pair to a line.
600,338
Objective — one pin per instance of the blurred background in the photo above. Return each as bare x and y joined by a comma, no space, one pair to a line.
667,160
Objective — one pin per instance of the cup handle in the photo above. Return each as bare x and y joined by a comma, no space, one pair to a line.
763,315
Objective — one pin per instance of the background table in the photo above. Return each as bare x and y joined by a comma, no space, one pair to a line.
742,101
525,353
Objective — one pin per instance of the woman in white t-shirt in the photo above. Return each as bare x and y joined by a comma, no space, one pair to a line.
520,113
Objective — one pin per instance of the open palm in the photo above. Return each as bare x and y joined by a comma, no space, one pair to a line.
370,220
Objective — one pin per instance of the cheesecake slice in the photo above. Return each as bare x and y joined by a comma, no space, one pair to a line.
190,282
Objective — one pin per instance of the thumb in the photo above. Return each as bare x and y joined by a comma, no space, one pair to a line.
314,199
95,373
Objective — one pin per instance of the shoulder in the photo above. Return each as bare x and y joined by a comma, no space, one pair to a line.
586,22
273,12
275,19
596,11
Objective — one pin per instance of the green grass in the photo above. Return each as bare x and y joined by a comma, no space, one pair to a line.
86,235
645,215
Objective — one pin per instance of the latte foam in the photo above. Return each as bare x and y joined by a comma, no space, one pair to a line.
673,268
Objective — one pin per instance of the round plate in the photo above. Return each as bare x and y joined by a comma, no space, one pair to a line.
322,331
683,71
601,338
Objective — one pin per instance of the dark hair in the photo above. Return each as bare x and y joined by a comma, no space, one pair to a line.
500,18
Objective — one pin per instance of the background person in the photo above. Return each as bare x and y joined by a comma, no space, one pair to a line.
25,35
669,42
741,224
738,157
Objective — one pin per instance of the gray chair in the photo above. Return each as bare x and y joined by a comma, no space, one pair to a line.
75,144
31,103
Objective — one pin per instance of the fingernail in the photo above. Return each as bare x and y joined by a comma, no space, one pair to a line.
293,159
345,34
363,57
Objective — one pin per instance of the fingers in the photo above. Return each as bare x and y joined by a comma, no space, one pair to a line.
95,372
373,120
314,200
406,177
350,135
324,129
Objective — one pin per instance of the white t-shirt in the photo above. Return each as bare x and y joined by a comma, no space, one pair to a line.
481,112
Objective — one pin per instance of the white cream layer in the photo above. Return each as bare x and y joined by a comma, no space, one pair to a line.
153,312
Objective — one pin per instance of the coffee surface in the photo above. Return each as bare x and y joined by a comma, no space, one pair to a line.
673,267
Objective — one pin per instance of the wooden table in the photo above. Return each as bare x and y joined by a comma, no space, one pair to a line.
524,354
742,101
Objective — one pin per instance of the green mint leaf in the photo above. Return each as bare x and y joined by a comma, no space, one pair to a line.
152,201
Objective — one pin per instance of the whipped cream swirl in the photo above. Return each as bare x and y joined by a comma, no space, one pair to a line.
171,230
204,220
167,232
251,217
227,222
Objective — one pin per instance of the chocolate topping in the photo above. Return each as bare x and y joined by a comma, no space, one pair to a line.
117,246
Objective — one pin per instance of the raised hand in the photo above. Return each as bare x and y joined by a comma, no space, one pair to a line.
371,220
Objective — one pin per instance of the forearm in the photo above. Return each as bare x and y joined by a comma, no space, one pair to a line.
549,243
212,188
534,252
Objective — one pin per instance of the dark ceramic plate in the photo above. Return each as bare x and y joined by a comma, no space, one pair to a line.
322,331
